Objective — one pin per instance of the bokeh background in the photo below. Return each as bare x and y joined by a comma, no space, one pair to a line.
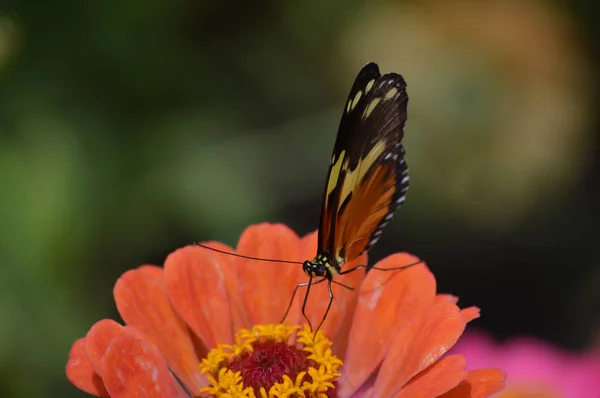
131,128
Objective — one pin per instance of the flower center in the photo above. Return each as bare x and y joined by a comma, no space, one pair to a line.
262,363
268,362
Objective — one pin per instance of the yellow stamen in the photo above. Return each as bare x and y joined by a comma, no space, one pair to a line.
312,383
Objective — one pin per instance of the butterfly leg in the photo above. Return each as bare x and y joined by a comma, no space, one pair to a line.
342,285
328,307
309,283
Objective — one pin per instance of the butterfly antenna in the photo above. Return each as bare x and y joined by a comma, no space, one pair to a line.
270,260
379,269
398,268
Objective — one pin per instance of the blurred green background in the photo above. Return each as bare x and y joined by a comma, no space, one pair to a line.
130,128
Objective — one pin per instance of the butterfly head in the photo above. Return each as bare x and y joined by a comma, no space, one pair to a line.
319,267
314,268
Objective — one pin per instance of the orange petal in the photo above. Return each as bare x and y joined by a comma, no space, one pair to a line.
342,307
447,298
80,372
143,303
440,377
470,313
227,265
98,338
133,367
151,270
266,287
479,383
415,347
387,302
197,289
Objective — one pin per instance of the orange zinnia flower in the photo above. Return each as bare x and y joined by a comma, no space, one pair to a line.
387,338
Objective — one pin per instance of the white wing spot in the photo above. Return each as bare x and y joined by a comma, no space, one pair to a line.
369,86
370,107
388,217
404,180
390,94
400,200
355,100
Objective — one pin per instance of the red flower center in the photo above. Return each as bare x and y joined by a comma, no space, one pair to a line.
268,362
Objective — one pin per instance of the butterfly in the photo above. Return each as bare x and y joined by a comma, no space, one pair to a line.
367,180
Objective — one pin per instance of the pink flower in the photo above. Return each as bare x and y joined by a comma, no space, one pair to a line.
535,369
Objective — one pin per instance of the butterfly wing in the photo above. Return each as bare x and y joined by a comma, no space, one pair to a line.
368,176
367,77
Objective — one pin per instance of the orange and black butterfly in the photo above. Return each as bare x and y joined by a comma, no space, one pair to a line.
367,179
